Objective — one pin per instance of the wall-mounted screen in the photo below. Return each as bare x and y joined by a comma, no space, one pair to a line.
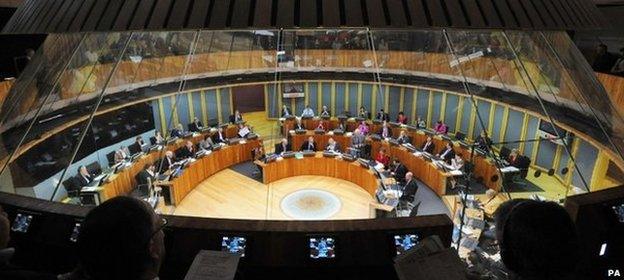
322,248
21,222
234,245
292,90
404,242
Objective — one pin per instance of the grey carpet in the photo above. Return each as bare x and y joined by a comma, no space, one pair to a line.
248,169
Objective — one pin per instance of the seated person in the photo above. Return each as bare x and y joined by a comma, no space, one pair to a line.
120,239
308,145
420,123
514,158
178,131
398,171
320,126
363,127
358,139
167,162
285,112
362,113
298,125
440,128
385,131
236,118
147,175
196,125
138,146
333,146
324,112
206,144
537,240
122,154
219,136
382,158
341,126
188,151
84,178
403,138
401,118
457,162
282,147
428,146
381,115
483,142
157,139
410,188
307,112
243,130
447,154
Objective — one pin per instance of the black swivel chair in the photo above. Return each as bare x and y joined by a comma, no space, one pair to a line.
142,189
94,168
504,152
111,158
72,188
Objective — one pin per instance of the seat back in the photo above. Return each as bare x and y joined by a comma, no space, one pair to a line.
524,164
153,140
504,152
111,158
71,187
94,168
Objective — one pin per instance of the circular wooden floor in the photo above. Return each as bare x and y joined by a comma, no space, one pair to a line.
231,195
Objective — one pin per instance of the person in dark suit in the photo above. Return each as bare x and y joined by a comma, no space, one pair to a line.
333,146
385,131
157,139
308,145
403,138
137,146
381,115
84,178
428,146
398,171
219,136
447,154
236,118
166,163
188,151
483,142
147,174
282,147
410,188
177,131
299,126
121,154
285,112
196,125
325,112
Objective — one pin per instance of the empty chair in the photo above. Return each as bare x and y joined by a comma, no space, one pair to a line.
111,158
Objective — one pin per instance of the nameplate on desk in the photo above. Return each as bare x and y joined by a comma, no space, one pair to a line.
394,124
393,142
288,155
298,131
319,131
338,132
375,137
329,154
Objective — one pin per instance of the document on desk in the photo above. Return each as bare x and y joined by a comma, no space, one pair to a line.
440,265
213,265
509,169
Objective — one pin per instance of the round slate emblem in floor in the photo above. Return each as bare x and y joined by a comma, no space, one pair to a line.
310,204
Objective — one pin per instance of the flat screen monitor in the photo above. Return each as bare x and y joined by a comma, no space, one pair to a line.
75,232
404,242
619,212
22,222
293,90
234,245
322,248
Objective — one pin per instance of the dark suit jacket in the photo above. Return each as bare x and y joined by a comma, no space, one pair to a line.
404,140
233,118
304,146
448,156
326,114
483,142
216,139
143,176
279,148
165,165
399,172
429,149
194,127
299,126
284,113
176,133
186,153
410,190
381,117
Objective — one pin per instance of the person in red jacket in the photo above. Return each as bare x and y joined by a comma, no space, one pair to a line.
382,157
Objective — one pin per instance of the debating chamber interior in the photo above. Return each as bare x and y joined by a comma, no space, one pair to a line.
312,139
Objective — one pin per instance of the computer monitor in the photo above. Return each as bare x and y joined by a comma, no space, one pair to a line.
404,242
322,248
234,245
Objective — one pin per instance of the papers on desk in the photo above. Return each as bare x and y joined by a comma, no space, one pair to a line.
213,265
292,131
379,166
348,134
282,119
456,173
510,169
90,189
431,261
418,154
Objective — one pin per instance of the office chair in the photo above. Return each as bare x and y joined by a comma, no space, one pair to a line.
94,168
73,190
111,158
414,211
523,165
153,140
504,152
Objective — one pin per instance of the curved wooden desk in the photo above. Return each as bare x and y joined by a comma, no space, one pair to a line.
425,171
124,181
321,166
